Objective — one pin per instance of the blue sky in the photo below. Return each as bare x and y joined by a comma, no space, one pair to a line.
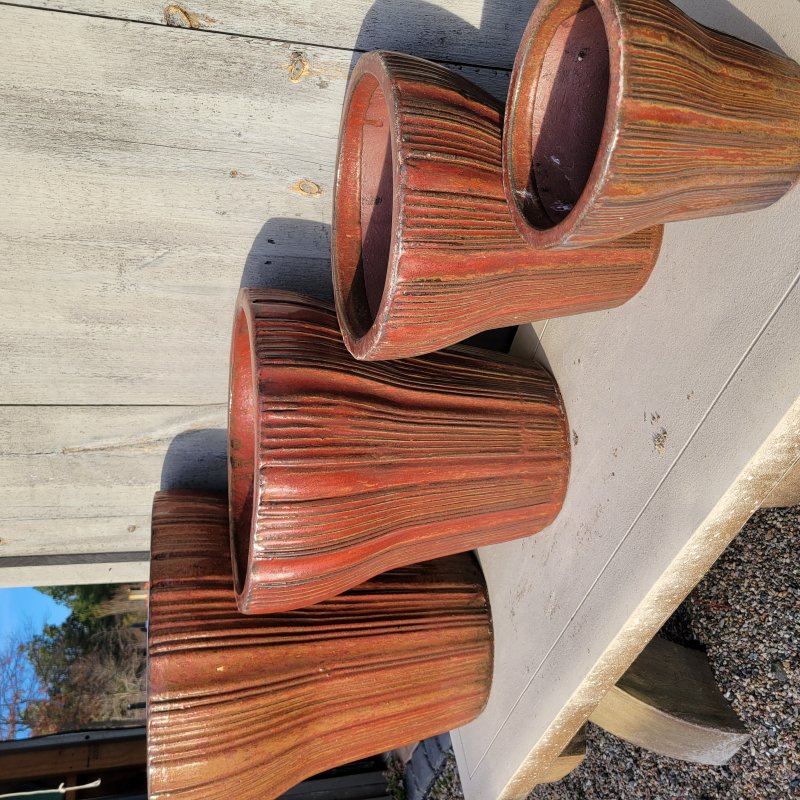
24,607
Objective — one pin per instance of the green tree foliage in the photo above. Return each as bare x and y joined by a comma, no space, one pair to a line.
83,601
81,673
90,671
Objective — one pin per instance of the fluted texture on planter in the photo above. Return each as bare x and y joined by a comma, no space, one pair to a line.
246,707
697,123
342,469
424,250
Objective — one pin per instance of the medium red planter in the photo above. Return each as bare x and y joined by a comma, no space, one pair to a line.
627,113
341,469
424,250
246,707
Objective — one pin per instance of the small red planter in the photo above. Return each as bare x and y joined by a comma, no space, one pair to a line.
341,469
246,707
626,113
424,250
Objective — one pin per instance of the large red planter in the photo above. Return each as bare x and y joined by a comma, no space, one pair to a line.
341,469
424,250
627,113
246,707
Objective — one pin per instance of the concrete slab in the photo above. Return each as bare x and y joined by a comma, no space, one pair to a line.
685,411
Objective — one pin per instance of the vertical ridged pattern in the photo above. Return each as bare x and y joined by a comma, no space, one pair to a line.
711,124
247,707
461,265
366,466
707,124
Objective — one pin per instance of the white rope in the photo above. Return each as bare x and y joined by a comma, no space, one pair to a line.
61,790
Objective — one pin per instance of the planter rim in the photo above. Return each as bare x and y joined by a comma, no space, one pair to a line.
241,571
517,157
361,343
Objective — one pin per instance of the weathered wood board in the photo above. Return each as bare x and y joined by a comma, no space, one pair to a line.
149,171
80,480
473,32
483,33
91,462
85,568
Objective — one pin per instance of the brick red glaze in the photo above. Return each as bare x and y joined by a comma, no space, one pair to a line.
247,706
342,469
691,122
424,250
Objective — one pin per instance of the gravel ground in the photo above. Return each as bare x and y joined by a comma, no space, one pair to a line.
746,614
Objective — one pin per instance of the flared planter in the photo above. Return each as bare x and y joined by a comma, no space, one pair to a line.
424,249
626,113
246,707
341,469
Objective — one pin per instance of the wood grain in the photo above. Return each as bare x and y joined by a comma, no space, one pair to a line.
669,702
81,479
456,264
85,568
463,31
149,172
698,123
251,705
341,469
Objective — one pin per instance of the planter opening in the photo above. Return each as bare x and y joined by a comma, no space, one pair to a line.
568,115
241,446
365,204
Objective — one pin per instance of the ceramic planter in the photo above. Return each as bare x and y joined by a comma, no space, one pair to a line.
247,707
627,113
424,249
341,469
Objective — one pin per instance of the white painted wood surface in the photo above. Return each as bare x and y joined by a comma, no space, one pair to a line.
464,31
149,171
86,568
80,480
483,33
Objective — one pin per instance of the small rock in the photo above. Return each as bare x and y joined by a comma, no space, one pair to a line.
779,672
